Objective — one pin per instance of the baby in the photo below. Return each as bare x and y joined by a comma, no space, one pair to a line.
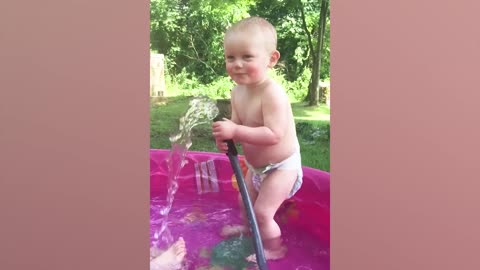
262,122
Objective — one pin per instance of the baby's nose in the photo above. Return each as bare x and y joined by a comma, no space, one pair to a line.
238,63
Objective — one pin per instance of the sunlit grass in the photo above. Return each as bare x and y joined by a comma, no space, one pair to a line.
303,112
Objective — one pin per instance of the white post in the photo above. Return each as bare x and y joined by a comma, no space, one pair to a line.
157,75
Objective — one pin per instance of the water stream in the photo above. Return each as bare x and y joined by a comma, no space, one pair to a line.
201,110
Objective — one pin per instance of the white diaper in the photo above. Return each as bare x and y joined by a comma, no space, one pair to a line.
293,162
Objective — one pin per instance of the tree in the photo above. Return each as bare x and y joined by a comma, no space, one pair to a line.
301,49
314,93
190,34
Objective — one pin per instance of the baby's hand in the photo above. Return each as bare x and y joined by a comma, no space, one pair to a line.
222,146
223,130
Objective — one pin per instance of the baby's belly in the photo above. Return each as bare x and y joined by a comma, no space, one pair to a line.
259,156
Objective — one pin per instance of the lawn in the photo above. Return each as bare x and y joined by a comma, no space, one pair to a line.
313,128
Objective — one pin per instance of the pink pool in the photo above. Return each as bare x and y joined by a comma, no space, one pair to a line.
207,199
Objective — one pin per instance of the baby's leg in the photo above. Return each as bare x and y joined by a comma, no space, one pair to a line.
230,230
170,259
274,190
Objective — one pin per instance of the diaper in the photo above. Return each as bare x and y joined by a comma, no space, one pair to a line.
291,163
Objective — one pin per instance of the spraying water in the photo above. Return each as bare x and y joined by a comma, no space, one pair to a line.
202,110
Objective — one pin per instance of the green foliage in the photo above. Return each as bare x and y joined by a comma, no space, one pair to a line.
296,89
311,133
293,45
184,84
190,35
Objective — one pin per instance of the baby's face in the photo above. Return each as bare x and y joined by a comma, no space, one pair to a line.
246,57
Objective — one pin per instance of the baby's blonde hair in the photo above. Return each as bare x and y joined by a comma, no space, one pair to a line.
256,25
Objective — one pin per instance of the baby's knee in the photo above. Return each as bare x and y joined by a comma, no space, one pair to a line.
263,215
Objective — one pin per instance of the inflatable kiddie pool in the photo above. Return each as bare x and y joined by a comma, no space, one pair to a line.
206,200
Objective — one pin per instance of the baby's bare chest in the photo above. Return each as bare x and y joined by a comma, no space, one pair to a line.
250,113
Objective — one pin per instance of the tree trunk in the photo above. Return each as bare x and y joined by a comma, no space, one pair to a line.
314,93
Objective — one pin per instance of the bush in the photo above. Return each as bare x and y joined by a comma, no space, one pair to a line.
311,133
186,84
296,90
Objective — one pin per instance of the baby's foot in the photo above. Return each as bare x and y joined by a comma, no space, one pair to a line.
233,230
155,252
172,258
270,254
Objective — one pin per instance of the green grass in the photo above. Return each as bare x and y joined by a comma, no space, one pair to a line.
164,121
313,128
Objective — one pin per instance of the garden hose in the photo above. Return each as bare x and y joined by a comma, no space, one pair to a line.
257,240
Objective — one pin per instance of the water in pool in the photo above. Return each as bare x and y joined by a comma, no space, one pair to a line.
199,220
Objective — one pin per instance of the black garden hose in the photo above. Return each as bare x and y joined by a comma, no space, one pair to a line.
257,240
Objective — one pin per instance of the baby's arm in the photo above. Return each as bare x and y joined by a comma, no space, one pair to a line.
221,144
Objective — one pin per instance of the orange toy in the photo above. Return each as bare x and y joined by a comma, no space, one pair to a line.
243,166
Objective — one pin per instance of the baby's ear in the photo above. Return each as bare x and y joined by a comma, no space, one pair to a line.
274,57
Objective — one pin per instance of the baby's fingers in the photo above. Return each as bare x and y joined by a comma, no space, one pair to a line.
222,146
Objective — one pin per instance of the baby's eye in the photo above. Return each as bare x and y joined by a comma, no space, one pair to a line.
230,58
248,56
